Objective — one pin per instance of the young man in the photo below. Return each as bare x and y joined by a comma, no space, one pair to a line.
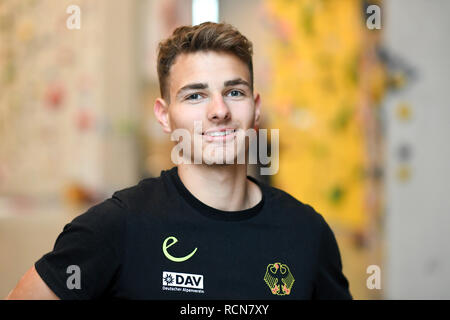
202,230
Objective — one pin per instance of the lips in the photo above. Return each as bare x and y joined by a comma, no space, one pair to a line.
219,134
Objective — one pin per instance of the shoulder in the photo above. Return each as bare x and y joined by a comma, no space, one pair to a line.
114,211
107,220
300,217
147,193
289,208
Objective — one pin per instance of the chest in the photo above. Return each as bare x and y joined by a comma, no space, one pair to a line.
216,261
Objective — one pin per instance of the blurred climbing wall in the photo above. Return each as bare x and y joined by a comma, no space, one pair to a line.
326,82
68,128
68,100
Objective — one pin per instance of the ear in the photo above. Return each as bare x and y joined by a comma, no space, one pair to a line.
161,109
257,102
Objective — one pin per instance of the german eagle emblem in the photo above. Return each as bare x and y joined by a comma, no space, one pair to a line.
279,279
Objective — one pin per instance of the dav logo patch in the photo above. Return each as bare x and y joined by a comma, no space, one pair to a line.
186,282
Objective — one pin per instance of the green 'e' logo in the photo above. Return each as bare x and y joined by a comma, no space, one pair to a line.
170,241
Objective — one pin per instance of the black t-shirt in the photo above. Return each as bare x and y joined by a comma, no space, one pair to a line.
156,240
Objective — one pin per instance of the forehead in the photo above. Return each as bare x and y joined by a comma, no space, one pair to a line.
206,67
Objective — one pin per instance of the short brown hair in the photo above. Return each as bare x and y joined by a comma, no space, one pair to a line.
208,36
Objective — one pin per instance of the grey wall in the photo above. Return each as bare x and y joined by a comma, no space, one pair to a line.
418,210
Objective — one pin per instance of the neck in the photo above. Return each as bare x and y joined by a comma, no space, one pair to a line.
224,187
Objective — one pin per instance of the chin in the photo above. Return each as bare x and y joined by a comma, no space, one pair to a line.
223,155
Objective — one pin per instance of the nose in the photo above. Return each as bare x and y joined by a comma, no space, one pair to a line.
218,110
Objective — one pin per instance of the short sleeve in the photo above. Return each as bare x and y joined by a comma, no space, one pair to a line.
86,257
330,283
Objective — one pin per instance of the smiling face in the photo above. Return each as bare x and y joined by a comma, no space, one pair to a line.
211,88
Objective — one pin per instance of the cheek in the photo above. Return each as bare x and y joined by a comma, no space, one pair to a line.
184,118
245,114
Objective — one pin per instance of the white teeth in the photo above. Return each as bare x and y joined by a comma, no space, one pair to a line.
220,133
216,134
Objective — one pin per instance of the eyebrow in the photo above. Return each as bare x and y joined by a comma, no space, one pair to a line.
192,86
237,81
200,86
